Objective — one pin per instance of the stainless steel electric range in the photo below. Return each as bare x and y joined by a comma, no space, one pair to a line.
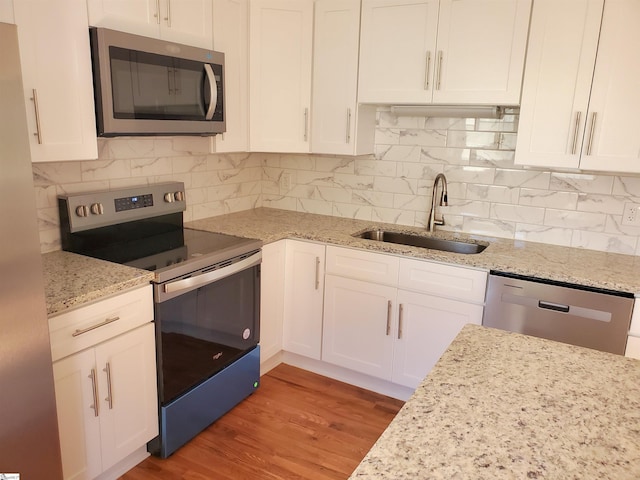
206,299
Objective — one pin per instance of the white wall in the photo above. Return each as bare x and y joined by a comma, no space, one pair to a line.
487,194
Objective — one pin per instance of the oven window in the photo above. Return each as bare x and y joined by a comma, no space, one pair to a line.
204,330
158,87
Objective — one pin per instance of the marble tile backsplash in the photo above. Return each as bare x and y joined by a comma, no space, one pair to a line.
488,194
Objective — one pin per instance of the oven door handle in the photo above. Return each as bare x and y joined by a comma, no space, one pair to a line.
206,278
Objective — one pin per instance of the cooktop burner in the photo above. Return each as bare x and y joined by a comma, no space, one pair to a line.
142,227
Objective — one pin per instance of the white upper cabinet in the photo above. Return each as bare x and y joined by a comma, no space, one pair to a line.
56,73
581,92
338,124
6,11
189,22
231,36
447,51
280,58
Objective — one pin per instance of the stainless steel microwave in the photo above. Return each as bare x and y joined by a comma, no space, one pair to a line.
146,86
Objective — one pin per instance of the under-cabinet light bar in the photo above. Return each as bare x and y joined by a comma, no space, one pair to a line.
457,111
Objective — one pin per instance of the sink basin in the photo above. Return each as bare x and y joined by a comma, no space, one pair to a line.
432,243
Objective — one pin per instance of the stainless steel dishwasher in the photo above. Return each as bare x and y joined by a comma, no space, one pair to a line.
579,315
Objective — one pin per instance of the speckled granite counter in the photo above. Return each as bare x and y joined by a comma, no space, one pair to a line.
72,280
501,405
573,265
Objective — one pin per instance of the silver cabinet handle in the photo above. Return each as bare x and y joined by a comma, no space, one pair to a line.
94,388
427,70
317,273
439,76
93,327
348,125
157,14
109,398
38,133
575,133
213,90
168,17
306,124
591,131
400,313
388,317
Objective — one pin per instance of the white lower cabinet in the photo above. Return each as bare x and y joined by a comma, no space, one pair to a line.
374,327
106,393
271,299
303,298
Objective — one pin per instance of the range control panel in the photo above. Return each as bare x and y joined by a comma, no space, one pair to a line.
85,211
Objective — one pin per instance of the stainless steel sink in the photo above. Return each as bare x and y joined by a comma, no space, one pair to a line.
413,240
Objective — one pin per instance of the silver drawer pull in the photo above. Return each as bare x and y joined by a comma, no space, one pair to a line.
389,307
109,399
109,320
38,133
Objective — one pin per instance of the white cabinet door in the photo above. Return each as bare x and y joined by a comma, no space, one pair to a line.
6,11
280,50
397,51
140,17
78,420
304,292
612,141
426,326
231,36
58,84
338,124
557,82
272,288
359,325
128,396
480,51
181,21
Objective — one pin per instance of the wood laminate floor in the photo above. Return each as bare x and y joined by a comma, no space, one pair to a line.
297,425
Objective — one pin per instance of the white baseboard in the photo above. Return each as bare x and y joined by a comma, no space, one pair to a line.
124,465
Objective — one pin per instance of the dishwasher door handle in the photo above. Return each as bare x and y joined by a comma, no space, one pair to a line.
556,307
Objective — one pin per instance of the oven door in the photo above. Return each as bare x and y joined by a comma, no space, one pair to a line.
205,322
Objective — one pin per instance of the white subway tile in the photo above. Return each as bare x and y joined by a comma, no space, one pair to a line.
407,186
492,193
522,178
517,213
387,136
373,199
335,164
488,227
145,167
448,156
629,186
105,169
376,167
546,198
310,205
492,158
575,220
581,182
392,215
54,173
396,153
349,210
462,139
424,138
611,204
469,174
543,234
604,242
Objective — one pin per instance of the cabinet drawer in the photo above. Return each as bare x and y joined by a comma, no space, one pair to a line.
361,265
86,326
448,281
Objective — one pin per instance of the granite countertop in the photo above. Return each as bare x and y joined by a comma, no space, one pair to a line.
573,265
501,405
72,280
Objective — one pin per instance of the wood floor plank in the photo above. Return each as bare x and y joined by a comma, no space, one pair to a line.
297,425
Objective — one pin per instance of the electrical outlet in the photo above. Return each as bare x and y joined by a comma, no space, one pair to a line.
631,214
285,181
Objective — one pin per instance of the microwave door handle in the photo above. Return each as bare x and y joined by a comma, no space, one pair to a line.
213,86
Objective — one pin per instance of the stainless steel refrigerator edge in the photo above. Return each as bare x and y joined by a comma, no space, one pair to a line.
29,442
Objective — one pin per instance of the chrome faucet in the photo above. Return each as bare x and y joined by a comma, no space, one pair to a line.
432,221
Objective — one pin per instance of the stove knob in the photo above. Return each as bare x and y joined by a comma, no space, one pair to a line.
97,209
179,196
168,197
82,211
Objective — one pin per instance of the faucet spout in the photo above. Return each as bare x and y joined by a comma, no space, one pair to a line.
442,201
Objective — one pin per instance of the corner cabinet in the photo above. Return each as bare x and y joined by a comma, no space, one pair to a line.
272,288
442,51
391,317
303,298
58,85
338,124
181,21
105,382
280,59
580,93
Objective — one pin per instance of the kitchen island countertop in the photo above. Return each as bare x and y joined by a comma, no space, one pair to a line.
501,405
